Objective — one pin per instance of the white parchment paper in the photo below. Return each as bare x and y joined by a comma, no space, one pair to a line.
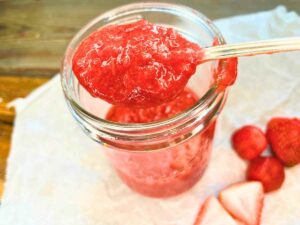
58,176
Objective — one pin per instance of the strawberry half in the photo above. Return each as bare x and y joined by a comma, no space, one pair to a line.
244,201
249,141
284,137
268,170
213,213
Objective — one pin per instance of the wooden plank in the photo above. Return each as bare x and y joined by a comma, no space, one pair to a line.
1,188
34,34
6,114
12,87
5,136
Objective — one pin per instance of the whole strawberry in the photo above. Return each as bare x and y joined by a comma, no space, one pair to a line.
283,135
249,141
268,170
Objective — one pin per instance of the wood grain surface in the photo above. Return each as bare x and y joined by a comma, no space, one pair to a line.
34,35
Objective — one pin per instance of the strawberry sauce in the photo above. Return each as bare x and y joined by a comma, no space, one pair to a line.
139,64
166,172
145,115
142,70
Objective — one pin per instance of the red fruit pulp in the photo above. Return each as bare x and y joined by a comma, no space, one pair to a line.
166,172
142,69
226,72
140,64
145,115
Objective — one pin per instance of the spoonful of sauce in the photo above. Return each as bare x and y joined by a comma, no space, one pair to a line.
142,64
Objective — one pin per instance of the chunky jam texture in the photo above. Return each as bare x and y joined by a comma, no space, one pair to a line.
166,172
142,69
145,115
138,64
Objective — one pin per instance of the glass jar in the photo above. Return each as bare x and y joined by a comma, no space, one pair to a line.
163,158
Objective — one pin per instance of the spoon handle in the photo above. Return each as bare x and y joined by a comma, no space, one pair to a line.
251,48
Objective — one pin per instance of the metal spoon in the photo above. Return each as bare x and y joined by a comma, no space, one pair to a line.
250,48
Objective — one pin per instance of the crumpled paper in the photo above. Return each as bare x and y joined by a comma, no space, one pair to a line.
58,176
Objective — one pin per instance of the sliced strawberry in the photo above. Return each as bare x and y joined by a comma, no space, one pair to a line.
240,223
244,201
213,213
268,170
249,141
284,137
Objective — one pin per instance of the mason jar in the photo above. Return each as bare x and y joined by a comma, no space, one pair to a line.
162,158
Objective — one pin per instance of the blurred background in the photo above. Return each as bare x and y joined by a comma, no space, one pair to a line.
34,35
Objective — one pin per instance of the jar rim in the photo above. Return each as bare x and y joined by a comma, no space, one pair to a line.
175,9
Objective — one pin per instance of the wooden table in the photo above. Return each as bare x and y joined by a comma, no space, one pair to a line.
34,34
